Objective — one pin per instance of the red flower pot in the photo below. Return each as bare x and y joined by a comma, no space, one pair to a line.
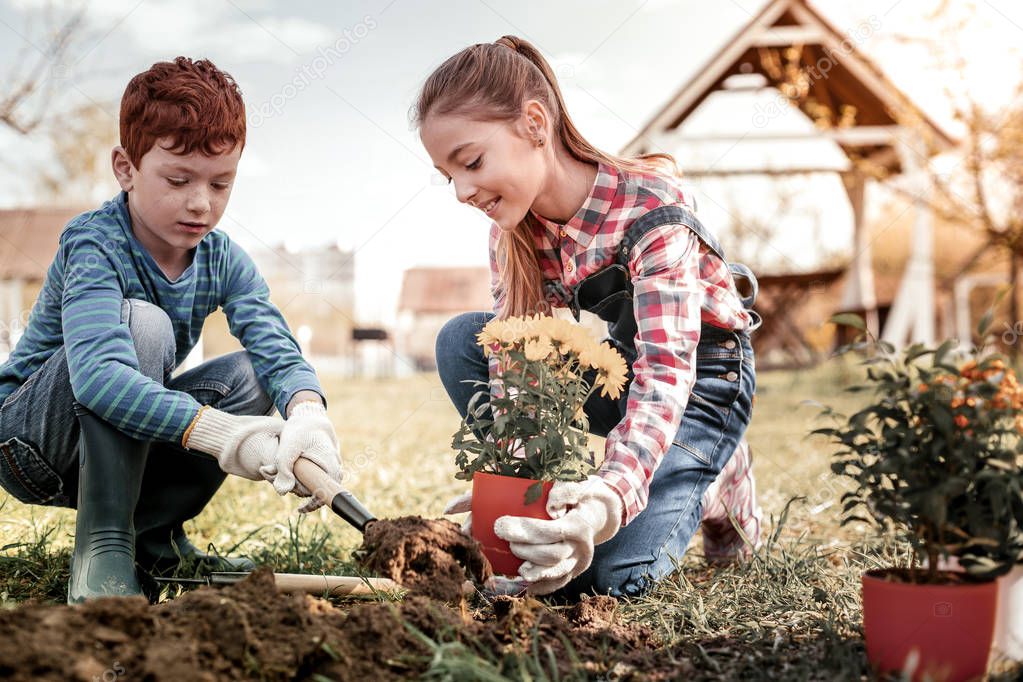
943,631
494,496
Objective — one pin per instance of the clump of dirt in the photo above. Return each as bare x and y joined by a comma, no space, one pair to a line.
430,557
206,634
589,636
251,631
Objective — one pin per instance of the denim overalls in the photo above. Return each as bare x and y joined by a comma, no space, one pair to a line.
714,421
608,293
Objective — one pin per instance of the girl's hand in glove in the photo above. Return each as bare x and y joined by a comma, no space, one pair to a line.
496,585
460,505
584,514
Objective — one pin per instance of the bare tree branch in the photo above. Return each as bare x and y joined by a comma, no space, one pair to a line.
30,87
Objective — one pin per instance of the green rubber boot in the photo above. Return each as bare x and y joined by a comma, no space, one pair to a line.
176,488
179,556
111,465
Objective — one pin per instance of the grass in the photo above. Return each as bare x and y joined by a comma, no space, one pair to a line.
793,612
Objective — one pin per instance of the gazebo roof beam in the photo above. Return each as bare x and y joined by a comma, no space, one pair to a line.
856,136
780,24
771,172
705,79
783,36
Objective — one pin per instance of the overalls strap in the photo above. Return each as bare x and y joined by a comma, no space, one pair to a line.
608,293
666,215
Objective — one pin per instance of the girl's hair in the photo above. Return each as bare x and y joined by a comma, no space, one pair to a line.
492,81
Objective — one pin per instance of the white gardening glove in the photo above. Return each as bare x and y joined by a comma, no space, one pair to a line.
463,503
307,433
459,505
243,445
583,514
495,585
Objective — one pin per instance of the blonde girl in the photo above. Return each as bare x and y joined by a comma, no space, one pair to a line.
576,227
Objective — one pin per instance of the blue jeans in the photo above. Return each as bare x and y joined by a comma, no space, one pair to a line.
714,421
39,423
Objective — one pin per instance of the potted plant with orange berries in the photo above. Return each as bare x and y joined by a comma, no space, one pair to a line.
526,428
935,456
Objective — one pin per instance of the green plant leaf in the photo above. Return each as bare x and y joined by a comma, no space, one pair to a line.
849,320
534,492
942,352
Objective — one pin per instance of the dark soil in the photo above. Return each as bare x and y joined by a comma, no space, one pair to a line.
430,557
249,630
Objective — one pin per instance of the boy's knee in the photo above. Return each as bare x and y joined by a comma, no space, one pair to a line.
251,398
153,335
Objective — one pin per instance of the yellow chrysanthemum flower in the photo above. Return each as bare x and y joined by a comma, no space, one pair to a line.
553,328
566,336
538,349
497,331
546,338
520,328
612,371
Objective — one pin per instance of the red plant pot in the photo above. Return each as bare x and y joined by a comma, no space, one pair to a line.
494,496
941,631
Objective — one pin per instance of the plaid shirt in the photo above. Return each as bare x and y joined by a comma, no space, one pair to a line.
678,282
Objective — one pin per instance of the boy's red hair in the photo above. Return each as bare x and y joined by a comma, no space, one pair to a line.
195,104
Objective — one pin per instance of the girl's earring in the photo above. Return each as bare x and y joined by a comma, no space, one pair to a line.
540,141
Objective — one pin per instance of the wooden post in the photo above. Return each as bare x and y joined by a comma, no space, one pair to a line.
1014,301
912,316
859,290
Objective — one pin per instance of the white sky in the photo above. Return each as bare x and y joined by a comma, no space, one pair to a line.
336,162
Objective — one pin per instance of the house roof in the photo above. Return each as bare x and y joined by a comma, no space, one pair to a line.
445,290
767,45
29,239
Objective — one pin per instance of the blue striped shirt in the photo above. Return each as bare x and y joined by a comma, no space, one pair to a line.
99,263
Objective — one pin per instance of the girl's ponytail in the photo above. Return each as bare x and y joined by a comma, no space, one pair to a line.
491,81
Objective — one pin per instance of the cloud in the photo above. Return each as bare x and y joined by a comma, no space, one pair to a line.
273,39
233,30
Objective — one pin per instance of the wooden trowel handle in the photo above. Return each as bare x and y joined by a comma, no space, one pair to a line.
333,584
331,493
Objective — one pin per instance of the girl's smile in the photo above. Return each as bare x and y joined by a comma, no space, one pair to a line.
488,207
493,165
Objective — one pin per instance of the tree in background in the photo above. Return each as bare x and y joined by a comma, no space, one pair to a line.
39,100
979,184
986,190
982,186
38,72
80,165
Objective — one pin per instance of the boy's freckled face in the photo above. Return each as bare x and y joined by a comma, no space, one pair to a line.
492,165
176,200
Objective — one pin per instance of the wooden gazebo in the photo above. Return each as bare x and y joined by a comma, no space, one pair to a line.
817,69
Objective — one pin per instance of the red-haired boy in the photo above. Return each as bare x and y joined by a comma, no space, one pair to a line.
90,414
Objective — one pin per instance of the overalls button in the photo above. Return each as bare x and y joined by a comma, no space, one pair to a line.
730,344
732,376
